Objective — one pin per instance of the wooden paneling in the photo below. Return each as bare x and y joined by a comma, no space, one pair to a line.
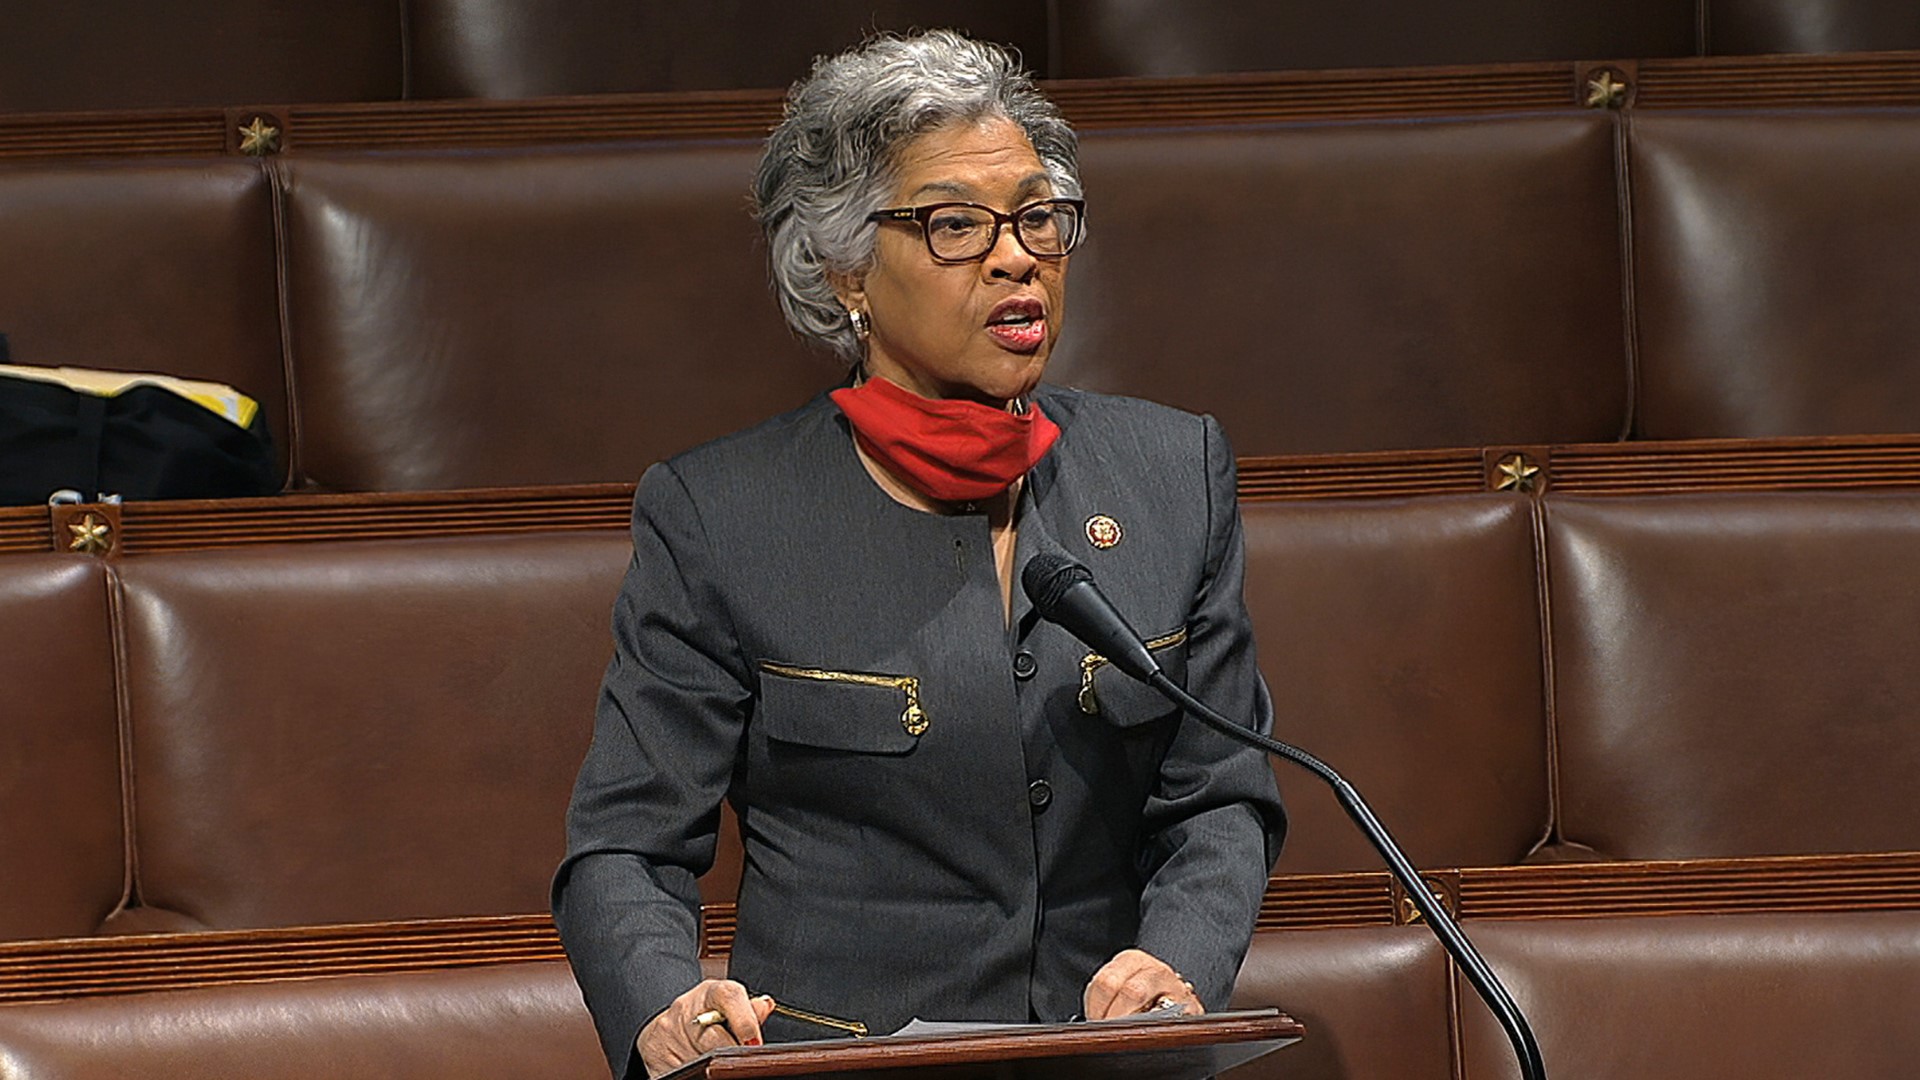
1736,465
1631,468
24,529
1814,464
748,114
176,132
1375,475
1326,901
217,523
85,967
1779,82
82,967
1875,882
718,114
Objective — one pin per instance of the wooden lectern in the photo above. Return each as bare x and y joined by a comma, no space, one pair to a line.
1185,1048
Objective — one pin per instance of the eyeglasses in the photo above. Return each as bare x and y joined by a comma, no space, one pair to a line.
958,232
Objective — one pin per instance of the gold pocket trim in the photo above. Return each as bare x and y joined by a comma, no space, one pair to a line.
1093,662
914,718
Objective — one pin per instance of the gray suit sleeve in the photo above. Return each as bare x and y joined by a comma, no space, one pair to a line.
645,814
1214,822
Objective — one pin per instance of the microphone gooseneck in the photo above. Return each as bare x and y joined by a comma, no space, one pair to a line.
1063,592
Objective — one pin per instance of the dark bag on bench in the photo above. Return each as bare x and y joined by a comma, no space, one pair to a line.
139,441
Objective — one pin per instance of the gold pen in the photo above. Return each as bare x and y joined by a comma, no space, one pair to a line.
852,1027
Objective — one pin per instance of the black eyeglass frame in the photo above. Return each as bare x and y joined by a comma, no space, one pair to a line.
923,215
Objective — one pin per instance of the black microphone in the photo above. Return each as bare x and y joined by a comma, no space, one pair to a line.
1063,593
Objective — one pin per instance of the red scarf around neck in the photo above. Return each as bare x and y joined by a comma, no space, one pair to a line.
947,449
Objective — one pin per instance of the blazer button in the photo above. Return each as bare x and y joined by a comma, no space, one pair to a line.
1023,665
1039,793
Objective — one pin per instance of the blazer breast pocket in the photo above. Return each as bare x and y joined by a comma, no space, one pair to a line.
1122,700
856,711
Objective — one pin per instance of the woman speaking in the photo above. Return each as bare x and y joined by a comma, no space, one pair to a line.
948,808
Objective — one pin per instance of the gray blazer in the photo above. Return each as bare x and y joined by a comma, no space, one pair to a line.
942,816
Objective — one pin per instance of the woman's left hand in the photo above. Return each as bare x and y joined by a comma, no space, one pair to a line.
1137,982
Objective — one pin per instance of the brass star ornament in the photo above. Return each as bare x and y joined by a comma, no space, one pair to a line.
1517,474
1604,91
259,138
91,535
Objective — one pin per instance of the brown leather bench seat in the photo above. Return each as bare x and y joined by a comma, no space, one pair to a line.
591,311
386,729
550,315
360,731
1376,1001
355,731
594,310
1672,997
1783,994
1357,286
142,265
502,315
1401,642
1656,677
509,1022
63,850
1766,247
1689,996
1733,674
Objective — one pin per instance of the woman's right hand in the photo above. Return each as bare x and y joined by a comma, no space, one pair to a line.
677,1036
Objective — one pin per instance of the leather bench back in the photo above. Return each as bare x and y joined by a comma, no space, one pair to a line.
126,54
1806,26
508,318
1104,38
1359,286
1374,1002
1401,643
359,732
131,54
1733,675
385,729
525,316
158,266
526,48
1784,995
1776,257
519,317
62,848
491,1022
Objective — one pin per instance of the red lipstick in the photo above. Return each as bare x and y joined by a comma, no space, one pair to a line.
1018,323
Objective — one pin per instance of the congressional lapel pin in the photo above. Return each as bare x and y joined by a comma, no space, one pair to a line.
1102,531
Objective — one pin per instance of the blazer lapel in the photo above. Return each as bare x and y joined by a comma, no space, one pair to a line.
1037,498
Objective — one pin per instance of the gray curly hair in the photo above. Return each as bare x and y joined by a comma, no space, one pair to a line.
831,160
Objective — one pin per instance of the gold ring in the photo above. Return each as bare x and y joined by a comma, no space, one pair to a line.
710,1018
